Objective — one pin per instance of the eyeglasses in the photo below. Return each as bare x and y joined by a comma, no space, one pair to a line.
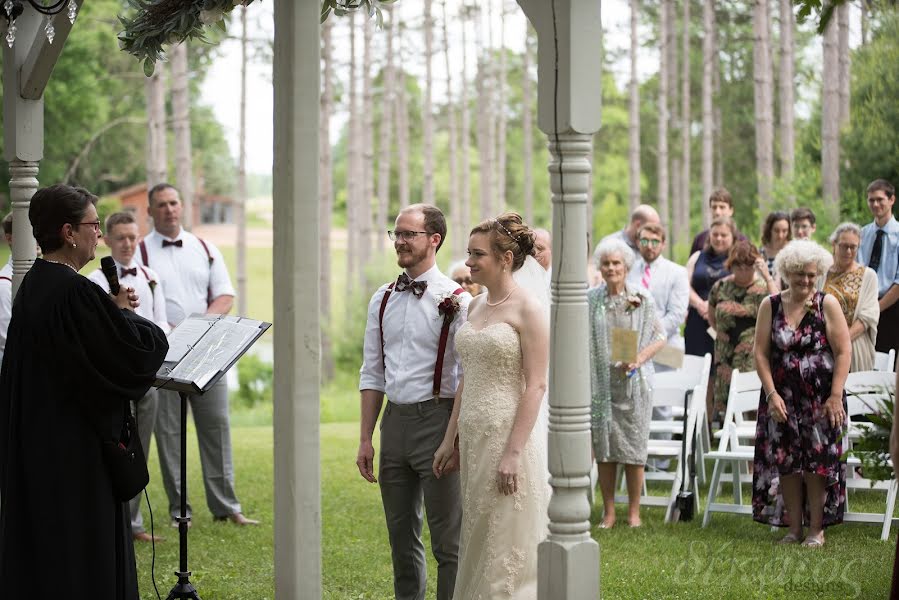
847,247
406,236
646,242
94,224
461,281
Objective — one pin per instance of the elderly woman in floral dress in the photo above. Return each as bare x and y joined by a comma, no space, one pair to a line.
802,357
621,399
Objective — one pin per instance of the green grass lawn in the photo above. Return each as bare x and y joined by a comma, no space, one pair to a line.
732,558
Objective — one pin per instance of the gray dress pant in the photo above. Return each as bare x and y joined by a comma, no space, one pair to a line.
410,434
144,410
210,412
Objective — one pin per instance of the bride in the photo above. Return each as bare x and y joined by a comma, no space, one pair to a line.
504,351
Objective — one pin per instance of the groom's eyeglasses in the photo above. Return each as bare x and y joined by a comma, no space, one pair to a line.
646,242
406,236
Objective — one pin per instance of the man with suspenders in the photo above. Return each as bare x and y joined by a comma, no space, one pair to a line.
196,281
409,355
121,235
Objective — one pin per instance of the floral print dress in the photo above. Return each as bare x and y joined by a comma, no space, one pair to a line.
802,366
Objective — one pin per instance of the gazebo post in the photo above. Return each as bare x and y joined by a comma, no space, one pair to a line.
569,97
296,296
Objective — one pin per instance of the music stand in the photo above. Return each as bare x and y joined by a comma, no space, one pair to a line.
201,350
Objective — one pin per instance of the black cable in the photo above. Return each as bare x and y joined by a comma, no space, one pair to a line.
153,546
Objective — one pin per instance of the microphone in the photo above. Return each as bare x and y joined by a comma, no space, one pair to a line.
107,265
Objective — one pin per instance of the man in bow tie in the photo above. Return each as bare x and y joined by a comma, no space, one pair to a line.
196,281
121,237
409,355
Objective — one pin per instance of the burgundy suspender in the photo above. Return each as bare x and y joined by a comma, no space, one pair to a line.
206,248
143,253
6,278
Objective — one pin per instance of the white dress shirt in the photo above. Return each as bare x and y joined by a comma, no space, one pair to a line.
670,290
190,281
151,296
5,303
411,339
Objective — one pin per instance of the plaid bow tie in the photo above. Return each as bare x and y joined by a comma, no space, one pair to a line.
132,272
403,283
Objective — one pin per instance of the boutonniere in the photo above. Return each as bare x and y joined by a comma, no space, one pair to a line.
449,307
810,305
633,303
152,284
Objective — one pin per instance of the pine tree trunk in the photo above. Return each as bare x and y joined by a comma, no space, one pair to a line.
465,137
527,132
664,115
683,213
499,114
843,21
388,99
708,124
763,102
484,126
863,5
427,117
718,118
157,154
673,123
830,121
184,172
787,92
402,122
241,212
634,115
366,171
326,195
458,225
352,171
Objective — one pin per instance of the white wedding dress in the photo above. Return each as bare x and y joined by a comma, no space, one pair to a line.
498,549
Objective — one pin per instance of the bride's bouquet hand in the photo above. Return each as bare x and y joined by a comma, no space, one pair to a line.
507,473
446,459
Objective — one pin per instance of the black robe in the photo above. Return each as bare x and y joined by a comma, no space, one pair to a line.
73,361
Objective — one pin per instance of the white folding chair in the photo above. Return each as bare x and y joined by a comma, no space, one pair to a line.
733,451
884,361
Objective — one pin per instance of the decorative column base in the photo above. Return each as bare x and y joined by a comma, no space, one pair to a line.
22,186
568,570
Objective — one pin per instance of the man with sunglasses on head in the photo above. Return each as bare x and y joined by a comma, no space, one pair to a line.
670,289
409,355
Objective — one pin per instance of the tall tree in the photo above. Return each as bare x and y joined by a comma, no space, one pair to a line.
708,122
241,212
484,122
184,170
527,134
427,117
763,103
674,165
402,122
664,115
830,121
718,117
388,98
367,155
634,115
843,22
682,216
786,87
499,114
354,164
465,126
157,155
326,193
459,225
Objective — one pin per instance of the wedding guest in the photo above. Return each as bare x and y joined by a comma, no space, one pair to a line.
802,223
721,204
640,216
855,288
461,274
704,268
775,235
620,391
544,248
733,306
879,249
802,357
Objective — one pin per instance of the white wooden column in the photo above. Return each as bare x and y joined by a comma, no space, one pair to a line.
569,96
23,140
296,327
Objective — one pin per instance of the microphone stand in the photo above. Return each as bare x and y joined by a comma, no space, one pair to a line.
183,589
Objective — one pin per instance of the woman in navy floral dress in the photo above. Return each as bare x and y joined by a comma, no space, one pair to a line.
802,351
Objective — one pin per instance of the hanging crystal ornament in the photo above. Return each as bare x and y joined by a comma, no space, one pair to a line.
7,6
73,11
11,33
50,30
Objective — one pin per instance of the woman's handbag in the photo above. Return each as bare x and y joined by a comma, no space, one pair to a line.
125,461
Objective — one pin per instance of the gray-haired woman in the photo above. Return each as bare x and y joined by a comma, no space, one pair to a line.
620,393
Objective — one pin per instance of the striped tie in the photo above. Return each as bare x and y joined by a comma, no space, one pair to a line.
646,277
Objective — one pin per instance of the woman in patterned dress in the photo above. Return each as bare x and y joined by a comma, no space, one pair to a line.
733,306
802,357
704,269
855,288
620,392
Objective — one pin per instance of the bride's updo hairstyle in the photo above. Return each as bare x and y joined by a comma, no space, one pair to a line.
509,233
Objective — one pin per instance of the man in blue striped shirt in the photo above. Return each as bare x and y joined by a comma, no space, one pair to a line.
879,251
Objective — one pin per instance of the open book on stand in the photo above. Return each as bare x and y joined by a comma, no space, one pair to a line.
202,348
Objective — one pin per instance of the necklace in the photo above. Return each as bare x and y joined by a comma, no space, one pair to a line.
59,262
495,304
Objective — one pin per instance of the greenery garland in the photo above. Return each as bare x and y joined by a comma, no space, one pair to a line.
158,23
344,7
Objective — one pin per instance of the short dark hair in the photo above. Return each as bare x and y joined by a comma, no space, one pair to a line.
802,214
118,218
7,224
54,206
721,195
741,253
656,228
158,188
770,220
881,185
435,222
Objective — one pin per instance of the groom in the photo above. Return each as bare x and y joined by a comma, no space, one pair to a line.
409,355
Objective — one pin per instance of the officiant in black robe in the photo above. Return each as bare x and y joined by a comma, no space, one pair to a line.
75,357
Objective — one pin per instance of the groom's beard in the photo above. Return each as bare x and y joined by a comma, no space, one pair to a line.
408,256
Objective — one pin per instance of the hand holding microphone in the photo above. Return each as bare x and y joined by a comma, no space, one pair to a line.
124,297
